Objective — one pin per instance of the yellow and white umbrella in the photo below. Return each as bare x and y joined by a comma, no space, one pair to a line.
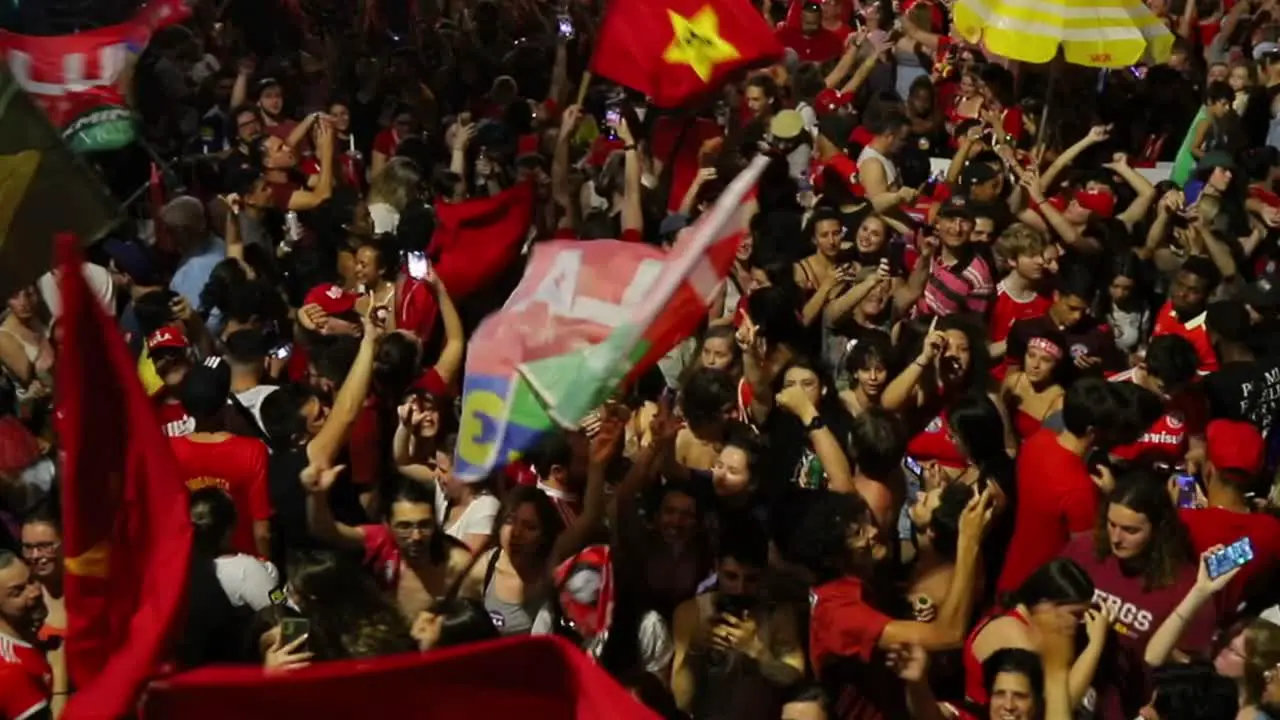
1093,33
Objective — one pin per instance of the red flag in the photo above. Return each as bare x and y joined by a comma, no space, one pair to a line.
126,532
528,677
474,241
676,50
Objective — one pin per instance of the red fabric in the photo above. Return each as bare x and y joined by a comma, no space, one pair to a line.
173,418
819,47
1194,330
431,381
237,466
19,449
844,631
636,38
934,443
1008,310
382,556
473,241
667,130
843,167
1219,526
1056,497
365,446
386,142
126,533
527,677
26,680
1185,415
975,687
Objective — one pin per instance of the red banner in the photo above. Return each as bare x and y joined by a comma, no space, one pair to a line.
80,80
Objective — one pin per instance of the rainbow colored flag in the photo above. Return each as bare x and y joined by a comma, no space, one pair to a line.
587,317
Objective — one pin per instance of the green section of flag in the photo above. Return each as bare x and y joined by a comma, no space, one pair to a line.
571,385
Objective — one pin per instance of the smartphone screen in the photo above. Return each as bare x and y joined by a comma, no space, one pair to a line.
418,264
565,26
283,351
1229,558
1186,490
292,628
612,116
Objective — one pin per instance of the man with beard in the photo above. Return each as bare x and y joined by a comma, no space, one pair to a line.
412,558
735,656
26,679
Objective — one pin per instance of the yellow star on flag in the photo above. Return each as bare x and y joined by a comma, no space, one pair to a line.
697,42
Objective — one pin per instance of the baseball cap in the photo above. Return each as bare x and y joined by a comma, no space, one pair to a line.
331,298
976,173
1235,445
830,100
206,387
954,207
167,338
132,259
786,125
1098,202
672,224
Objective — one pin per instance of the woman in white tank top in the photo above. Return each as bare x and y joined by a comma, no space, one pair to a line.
25,353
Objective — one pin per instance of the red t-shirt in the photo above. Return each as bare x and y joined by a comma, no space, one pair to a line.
666,130
844,632
1194,330
26,680
1186,414
1219,526
1123,684
382,556
365,446
819,47
174,420
281,194
386,143
237,465
1007,310
1056,497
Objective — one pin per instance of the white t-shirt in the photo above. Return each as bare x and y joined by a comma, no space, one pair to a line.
477,519
252,399
100,284
247,580
385,218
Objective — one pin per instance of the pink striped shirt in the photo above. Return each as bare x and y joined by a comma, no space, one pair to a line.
947,292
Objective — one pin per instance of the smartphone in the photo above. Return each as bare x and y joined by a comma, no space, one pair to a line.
418,263
282,352
1229,558
612,116
1186,490
564,25
292,628
913,465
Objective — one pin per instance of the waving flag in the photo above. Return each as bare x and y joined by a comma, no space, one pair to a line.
126,532
676,50
585,318
80,79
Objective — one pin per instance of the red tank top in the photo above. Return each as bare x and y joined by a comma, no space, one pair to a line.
1025,424
975,689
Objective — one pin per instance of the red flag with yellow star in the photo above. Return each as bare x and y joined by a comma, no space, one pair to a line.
676,50
126,531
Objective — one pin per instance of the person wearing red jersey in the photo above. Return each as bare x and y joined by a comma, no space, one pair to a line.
211,457
29,687
1234,456
1056,493
1019,295
1169,371
1184,313
840,543
1090,345
171,354
810,40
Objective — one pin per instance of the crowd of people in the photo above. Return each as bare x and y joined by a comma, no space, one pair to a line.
997,442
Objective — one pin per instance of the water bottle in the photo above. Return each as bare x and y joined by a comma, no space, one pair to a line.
292,227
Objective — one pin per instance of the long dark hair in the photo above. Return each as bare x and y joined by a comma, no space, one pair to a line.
350,617
1169,546
1060,581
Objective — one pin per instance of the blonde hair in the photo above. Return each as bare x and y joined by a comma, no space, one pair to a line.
1019,240
396,184
1261,655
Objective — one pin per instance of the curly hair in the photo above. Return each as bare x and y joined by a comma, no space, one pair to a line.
350,617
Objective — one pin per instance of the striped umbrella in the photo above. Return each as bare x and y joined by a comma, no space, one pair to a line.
1093,33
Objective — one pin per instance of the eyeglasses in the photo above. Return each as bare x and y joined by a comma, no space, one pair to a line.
41,548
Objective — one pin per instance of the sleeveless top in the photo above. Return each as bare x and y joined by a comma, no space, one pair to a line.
890,170
31,350
508,618
975,689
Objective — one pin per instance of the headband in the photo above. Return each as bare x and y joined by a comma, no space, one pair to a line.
1046,346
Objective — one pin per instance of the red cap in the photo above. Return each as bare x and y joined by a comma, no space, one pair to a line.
1235,445
1099,202
167,338
862,136
331,298
831,100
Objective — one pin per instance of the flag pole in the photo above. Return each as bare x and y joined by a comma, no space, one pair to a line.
582,87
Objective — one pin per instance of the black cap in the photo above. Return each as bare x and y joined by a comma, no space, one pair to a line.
976,173
955,207
206,387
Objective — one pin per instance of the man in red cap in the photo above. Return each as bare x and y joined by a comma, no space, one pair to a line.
1234,455
170,352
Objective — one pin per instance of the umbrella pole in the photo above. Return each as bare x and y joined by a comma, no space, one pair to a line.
1043,130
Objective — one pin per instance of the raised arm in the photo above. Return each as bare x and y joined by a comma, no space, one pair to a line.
324,447
320,521
1097,134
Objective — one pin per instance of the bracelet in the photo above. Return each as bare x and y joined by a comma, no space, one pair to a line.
628,148
919,365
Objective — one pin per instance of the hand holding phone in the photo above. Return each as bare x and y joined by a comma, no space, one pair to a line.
1187,488
419,266
1218,562
564,25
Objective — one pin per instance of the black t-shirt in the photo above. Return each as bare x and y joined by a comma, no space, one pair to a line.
1087,338
289,531
1248,391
